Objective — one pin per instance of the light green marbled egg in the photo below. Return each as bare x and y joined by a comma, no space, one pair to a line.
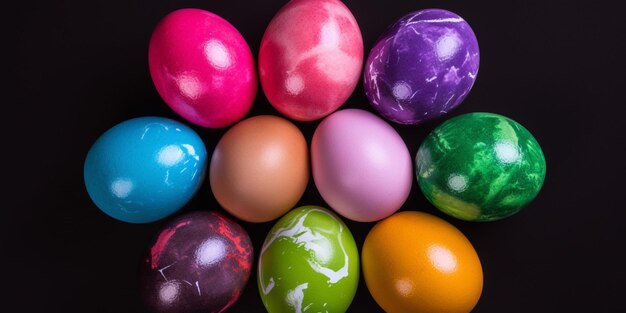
309,263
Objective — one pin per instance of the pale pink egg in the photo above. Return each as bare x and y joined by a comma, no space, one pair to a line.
310,58
202,67
361,166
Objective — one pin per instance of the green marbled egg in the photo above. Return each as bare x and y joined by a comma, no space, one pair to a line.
480,167
309,263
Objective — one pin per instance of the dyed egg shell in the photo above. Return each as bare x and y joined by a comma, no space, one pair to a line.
309,262
200,262
416,262
422,67
145,169
310,58
202,67
480,167
361,166
260,168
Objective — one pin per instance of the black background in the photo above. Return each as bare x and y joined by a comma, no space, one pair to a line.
76,68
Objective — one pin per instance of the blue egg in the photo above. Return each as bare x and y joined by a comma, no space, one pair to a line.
145,169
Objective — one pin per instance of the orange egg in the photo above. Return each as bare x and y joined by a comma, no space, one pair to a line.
260,168
416,262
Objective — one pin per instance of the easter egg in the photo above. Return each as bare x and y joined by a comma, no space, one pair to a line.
145,169
310,58
202,67
480,167
199,262
260,168
361,166
416,262
422,67
309,262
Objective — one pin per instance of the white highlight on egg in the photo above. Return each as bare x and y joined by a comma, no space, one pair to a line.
217,54
457,182
121,187
168,292
506,152
189,86
404,287
401,90
294,84
170,155
377,155
442,258
447,45
210,252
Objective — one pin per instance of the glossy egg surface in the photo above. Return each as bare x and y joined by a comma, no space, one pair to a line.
361,165
310,58
416,262
422,67
199,262
480,167
309,262
260,168
145,169
202,67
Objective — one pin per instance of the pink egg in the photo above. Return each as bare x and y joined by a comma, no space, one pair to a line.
202,67
310,58
361,166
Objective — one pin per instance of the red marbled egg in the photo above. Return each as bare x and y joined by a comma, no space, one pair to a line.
200,262
310,58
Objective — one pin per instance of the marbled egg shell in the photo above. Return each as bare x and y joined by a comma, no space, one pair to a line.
199,262
361,166
145,169
202,67
422,67
309,262
310,58
480,167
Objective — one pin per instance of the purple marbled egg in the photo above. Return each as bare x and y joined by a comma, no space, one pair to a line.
422,67
199,262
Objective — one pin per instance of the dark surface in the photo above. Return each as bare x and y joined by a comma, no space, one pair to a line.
76,68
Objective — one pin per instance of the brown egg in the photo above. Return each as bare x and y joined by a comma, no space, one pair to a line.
260,168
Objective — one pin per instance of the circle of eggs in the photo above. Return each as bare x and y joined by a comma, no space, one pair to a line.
416,262
309,262
361,166
145,169
480,167
202,67
310,58
423,66
199,262
260,168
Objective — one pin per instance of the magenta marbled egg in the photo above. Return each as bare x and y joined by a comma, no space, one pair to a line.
310,58
361,166
202,67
